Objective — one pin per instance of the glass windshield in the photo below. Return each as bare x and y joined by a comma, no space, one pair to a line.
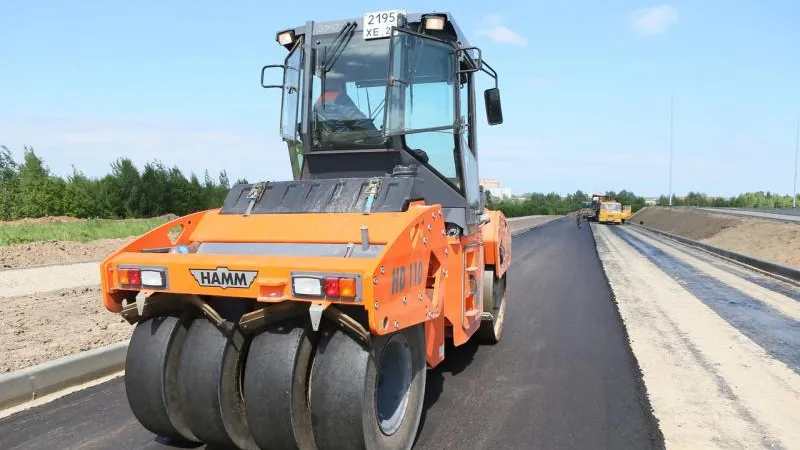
349,109
612,206
348,91
422,95
422,100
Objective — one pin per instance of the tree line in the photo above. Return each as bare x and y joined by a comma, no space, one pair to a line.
28,190
758,199
553,203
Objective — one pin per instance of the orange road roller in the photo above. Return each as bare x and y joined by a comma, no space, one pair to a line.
303,314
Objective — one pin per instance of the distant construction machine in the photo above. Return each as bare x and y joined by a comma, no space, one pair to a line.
607,210
610,211
303,313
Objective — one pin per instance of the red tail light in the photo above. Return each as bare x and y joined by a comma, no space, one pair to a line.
332,287
135,276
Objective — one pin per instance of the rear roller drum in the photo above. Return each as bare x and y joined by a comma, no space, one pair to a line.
210,390
151,376
276,387
494,308
368,398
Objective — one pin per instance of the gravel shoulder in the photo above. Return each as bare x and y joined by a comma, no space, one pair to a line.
710,375
34,329
760,238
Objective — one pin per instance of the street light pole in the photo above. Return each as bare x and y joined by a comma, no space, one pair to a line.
670,146
796,150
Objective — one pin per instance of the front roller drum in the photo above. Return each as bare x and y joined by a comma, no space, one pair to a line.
151,376
210,389
368,398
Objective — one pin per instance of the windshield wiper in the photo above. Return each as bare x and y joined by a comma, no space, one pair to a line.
339,43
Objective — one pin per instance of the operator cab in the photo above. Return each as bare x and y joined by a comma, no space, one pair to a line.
386,96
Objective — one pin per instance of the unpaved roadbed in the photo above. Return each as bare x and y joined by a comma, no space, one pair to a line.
57,252
717,351
760,238
40,327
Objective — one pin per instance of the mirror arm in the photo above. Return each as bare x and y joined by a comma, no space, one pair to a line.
491,72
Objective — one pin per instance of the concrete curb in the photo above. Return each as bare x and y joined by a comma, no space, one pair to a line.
780,271
33,382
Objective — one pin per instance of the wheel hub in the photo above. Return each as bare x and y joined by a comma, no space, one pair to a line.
394,380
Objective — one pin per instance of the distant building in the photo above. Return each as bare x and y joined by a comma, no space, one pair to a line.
490,184
493,186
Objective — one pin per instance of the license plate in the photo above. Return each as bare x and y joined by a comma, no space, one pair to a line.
378,25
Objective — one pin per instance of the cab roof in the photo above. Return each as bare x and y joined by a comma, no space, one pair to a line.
334,26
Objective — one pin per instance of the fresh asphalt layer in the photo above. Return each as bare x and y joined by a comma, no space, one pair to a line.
563,377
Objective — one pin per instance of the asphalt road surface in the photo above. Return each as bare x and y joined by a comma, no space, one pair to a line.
563,376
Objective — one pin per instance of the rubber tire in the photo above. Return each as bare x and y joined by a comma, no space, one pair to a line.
151,376
276,386
210,368
494,291
343,380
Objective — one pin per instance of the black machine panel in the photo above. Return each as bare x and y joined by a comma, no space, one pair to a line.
334,195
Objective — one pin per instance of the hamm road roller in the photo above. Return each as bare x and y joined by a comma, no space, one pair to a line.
303,313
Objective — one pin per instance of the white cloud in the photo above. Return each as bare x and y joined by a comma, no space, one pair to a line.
91,144
654,20
499,33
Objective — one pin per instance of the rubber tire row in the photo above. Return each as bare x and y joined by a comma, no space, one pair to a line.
182,383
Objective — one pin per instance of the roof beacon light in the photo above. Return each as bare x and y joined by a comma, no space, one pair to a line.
435,22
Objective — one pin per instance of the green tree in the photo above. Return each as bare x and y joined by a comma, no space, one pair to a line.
38,194
126,189
9,180
82,196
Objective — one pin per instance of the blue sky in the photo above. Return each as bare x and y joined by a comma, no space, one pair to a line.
586,88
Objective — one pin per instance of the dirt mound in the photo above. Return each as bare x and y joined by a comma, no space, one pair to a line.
760,238
57,252
688,223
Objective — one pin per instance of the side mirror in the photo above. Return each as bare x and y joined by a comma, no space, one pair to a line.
494,112
272,66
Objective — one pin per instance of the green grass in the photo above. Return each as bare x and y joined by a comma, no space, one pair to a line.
80,231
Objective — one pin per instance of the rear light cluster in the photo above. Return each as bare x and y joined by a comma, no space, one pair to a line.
138,277
332,287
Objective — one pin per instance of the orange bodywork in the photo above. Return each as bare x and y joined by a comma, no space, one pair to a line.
419,275
497,239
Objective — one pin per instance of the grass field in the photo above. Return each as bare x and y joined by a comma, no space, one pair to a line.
74,230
